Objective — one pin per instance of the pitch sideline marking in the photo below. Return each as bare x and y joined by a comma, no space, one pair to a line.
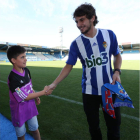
79,103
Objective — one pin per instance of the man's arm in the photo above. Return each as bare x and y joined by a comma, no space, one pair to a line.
117,65
63,74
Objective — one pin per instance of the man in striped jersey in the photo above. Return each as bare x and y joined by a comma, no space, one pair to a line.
94,47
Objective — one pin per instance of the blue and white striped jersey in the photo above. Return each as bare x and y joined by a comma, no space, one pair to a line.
95,56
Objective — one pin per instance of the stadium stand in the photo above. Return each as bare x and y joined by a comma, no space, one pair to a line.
65,58
40,56
3,57
35,52
130,51
50,57
57,55
43,53
129,47
31,57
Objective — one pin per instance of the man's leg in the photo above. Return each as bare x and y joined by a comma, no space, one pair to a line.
91,105
113,125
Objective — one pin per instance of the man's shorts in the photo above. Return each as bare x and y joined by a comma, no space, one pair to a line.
32,126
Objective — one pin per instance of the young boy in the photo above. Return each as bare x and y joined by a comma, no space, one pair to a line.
22,95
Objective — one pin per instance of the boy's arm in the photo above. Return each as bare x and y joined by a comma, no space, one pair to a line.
36,94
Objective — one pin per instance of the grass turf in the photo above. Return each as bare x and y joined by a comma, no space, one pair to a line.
62,120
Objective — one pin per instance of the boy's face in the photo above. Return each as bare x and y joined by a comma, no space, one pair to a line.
20,61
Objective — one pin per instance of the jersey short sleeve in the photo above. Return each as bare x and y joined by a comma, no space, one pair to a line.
73,54
19,93
114,43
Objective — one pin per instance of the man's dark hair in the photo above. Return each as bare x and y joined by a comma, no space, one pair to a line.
14,52
86,9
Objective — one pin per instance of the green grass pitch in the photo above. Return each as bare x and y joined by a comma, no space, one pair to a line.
61,119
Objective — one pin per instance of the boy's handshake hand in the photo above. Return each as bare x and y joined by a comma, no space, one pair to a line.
45,89
48,91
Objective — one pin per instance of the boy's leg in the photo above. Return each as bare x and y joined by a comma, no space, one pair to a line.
20,132
33,127
21,138
36,134
113,125
91,105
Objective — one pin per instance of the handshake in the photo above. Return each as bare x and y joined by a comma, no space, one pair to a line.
49,89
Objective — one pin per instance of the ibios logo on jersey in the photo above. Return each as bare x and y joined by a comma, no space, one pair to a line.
93,62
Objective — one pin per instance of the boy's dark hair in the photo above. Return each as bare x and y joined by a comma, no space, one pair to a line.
86,9
14,52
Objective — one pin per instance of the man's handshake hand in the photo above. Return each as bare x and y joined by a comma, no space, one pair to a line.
50,89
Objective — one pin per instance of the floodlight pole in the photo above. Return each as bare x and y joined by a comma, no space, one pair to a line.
7,44
61,40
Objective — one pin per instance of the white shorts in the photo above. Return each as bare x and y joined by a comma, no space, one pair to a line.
32,126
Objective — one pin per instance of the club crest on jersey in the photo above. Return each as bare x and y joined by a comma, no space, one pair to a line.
104,44
18,91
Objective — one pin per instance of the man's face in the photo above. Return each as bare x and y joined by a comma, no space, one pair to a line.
84,24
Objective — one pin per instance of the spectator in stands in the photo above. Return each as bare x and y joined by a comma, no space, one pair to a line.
22,95
94,47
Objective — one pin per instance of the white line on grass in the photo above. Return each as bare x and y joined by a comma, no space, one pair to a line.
79,103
